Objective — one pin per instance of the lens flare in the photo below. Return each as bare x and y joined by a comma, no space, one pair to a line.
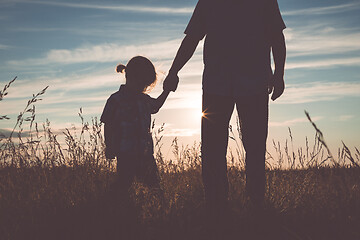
203,114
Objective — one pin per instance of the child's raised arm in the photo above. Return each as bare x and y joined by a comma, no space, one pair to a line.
158,102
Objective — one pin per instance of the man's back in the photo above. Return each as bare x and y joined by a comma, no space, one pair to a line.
237,44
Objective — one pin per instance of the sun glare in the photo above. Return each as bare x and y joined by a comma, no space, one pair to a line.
198,115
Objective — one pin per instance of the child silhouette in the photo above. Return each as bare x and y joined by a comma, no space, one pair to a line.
127,120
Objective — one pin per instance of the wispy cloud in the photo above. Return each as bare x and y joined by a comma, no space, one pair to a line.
2,46
121,8
303,42
6,132
321,46
344,118
324,63
319,91
103,53
39,29
323,10
292,122
23,88
321,40
2,17
101,28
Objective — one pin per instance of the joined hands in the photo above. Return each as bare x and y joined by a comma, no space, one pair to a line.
171,82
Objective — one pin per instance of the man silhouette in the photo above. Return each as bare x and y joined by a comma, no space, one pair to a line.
240,35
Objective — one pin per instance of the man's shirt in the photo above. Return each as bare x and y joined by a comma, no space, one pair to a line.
237,44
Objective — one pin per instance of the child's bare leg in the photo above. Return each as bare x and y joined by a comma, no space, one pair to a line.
148,173
125,207
125,175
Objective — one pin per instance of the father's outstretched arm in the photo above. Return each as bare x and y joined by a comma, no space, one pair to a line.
185,52
279,55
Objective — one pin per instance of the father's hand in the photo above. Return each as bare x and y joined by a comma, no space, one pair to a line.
276,85
171,82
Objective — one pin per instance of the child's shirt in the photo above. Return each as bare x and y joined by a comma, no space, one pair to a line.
128,114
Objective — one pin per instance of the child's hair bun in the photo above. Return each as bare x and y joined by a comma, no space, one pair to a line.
120,68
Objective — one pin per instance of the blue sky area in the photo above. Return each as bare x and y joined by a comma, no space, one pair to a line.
74,46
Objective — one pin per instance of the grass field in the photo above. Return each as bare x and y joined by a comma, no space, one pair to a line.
55,190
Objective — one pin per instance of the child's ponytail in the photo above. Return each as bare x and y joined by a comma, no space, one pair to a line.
120,68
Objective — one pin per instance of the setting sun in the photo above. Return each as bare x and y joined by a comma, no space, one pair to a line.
201,114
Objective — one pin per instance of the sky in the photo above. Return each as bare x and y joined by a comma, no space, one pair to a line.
74,46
